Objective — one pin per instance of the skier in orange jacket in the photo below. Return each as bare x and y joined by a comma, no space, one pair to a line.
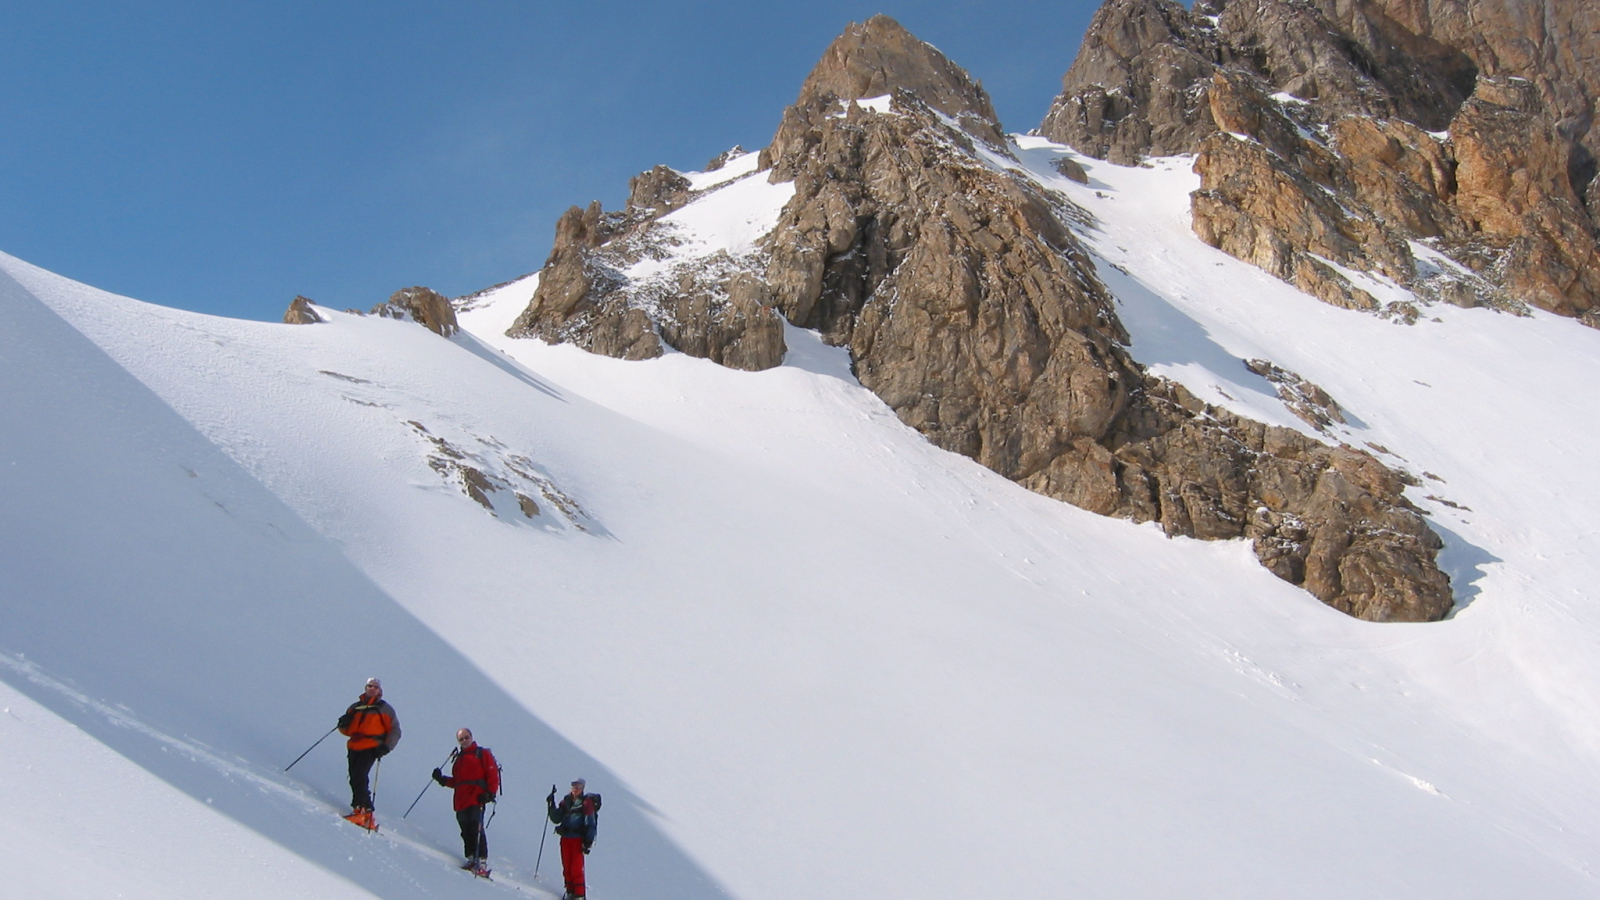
374,730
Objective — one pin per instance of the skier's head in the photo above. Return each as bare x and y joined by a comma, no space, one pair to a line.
578,786
464,738
373,688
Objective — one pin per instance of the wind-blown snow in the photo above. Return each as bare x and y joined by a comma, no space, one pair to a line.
800,650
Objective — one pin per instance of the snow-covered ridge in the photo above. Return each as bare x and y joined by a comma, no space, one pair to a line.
736,166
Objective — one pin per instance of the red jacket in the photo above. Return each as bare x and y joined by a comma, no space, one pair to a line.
474,774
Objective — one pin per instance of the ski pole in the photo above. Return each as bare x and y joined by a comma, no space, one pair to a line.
483,835
425,787
375,773
542,835
311,748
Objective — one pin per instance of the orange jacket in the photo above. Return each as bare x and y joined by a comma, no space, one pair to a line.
370,724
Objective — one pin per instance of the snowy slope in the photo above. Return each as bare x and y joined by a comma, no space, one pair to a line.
801,651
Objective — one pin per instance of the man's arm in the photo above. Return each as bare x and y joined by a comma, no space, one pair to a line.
391,738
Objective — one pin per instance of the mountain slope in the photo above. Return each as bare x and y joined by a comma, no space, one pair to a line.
790,614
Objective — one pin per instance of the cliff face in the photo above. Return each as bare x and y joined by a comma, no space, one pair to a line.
1443,144
911,235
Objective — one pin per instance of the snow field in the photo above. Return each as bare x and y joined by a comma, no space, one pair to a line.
800,650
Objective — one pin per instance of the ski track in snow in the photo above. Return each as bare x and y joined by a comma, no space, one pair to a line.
862,648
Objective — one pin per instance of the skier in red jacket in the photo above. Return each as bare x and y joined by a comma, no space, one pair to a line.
476,779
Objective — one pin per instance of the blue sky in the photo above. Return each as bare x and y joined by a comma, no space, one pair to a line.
224,157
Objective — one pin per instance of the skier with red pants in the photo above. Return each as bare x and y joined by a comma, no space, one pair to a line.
374,730
475,776
576,820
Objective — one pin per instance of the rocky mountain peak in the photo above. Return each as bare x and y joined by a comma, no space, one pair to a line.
879,57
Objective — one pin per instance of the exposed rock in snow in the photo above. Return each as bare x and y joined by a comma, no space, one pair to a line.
422,305
300,312
1311,403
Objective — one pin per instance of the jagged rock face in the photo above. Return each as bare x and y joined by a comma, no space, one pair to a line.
966,304
573,303
658,191
879,57
714,308
1129,92
1341,104
969,306
422,305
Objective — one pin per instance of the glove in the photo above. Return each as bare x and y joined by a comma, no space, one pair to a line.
344,723
586,849
485,798
383,750
438,776
551,800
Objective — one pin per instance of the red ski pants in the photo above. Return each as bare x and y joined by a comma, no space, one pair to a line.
572,865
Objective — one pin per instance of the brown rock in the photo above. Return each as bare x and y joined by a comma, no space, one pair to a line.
1130,91
657,192
1069,167
422,305
1515,191
1508,197
301,313
1311,403
879,57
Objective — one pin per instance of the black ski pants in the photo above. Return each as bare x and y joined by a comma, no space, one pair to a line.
360,767
474,843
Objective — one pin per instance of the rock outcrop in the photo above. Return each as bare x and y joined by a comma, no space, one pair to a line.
914,238
1445,145
300,312
715,307
423,305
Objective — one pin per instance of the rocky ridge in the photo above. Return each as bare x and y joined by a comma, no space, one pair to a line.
915,238
1443,145
425,306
